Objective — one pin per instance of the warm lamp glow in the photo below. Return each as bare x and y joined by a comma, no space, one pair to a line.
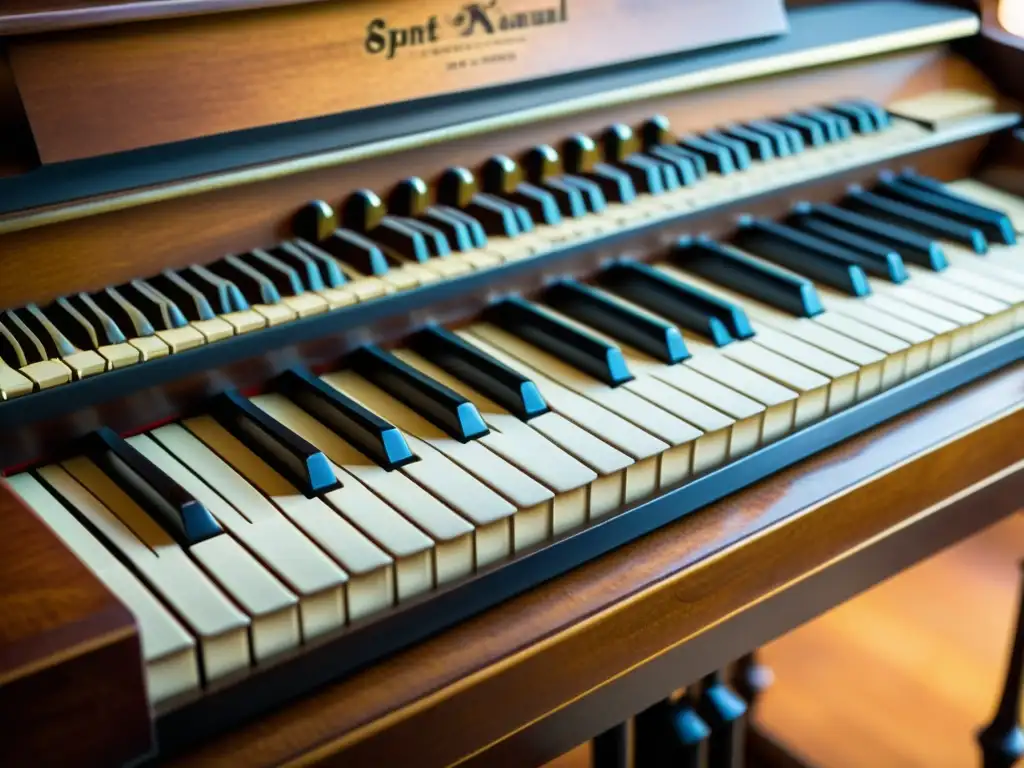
1011,16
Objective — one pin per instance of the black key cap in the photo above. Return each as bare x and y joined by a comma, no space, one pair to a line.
177,511
874,257
581,158
158,308
73,324
802,253
508,388
914,218
912,246
107,329
620,148
593,196
437,243
44,329
32,348
372,435
543,166
786,141
684,165
657,139
570,199
758,145
594,308
880,115
717,157
860,118
10,349
995,226
315,221
222,294
364,212
127,318
591,355
503,177
306,267
447,409
188,299
682,304
738,150
410,202
836,128
742,274
286,278
458,231
254,285
330,270
457,188
357,251
811,131
303,464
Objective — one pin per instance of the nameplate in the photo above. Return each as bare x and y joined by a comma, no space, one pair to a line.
153,83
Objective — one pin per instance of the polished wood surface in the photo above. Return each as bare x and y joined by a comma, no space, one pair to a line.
92,252
339,56
574,657
71,680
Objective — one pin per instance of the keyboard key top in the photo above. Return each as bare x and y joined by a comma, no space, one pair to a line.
914,218
873,257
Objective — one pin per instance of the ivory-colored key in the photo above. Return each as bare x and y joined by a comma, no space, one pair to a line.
47,373
275,314
84,364
307,571
214,329
272,606
181,339
245,321
962,340
645,449
221,629
169,651
12,383
990,196
342,296
528,446
531,502
486,510
896,350
371,586
1000,316
150,347
944,331
453,536
676,463
306,304
120,355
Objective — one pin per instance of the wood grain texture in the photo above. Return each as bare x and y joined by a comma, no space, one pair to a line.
72,690
573,657
930,647
306,61
90,253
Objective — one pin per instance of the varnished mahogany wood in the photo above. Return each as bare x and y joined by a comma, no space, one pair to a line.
300,62
575,656
72,690
162,389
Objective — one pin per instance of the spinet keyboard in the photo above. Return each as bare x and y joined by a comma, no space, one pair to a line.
325,499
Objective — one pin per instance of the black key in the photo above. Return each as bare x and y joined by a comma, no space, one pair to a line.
738,150
357,251
286,278
594,308
912,246
73,324
503,177
657,139
255,287
157,307
364,212
742,274
593,196
508,388
914,218
32,349
178,512
457,188
880,115
620,151
802,253
188,299
581,158
303,464
222,294
874,257
860,118
837,128
717,157
328,267
543,166
455,227
409,197
10,349
409,201
758,145
685,168
372,435
315,221
786,141
129,320
685,305
44,329
437,243
107,329
496,216
570,199
305,266
591,355
996,226
447,409
811,131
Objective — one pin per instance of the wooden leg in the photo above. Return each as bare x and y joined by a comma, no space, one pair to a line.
1002,741
614,747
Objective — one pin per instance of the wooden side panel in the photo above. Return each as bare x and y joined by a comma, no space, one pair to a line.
530,679
72,690
199,77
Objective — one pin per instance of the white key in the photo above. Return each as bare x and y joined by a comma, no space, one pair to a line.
260,526
453,536
371,577
883,308
169,651
676,463
963,339
490,514
221,629
643,448
1000,266
869,362
992,197
271,605
519,444
999,316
